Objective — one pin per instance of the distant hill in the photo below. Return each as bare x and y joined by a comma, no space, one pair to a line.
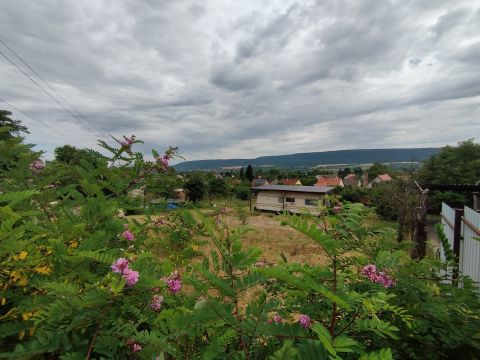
302,160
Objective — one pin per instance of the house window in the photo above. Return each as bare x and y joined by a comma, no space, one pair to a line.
290,200
310,202
280,199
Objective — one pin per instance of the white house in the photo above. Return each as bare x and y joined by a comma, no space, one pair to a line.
291,198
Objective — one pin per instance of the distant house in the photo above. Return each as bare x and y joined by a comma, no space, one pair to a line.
259,182
329,180
378,180
180,194
137,193
291,198
352,181
291,182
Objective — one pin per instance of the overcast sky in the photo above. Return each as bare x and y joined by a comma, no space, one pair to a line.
228,79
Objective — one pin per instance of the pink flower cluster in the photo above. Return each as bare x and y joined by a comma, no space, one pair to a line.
127,234
121,267
163,161
305,321
337,209
135,346
128,141
156,303
276,319
37,165
174,282
381,277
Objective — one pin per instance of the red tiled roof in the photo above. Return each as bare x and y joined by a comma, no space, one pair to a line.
329,181
385,177
289,181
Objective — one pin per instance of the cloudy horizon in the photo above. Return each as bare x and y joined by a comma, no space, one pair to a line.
225,79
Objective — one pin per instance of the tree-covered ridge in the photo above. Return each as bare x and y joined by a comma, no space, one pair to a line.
360,156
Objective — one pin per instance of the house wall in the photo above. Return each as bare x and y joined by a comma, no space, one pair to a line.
277,201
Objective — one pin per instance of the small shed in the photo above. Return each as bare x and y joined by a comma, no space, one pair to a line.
292,198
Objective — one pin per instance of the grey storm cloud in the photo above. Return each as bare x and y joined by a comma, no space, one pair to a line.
245,78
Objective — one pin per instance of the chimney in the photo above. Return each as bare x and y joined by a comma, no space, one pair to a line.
365,178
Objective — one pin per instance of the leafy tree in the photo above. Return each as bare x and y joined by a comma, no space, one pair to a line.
249,173
241,191
344,172
163,184
358,171
376,169
15,126
242,174
66,154
354,195
452,165
216,187
195,187
71,155
308,180
396,200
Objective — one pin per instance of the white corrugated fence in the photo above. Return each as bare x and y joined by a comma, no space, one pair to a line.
469,239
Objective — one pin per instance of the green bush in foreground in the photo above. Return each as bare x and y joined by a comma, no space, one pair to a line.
77,281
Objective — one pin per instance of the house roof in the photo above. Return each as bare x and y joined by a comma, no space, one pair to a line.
305,189
350,176
350,181
257,182
289,181
384,177
329,181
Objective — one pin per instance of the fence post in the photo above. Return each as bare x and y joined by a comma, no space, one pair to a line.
476,201
457,236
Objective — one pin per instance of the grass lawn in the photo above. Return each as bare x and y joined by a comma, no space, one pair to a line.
273,238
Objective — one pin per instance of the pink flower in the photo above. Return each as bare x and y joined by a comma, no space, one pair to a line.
127,143
277,318
120,265
174,282
337,209
156,303
136,347
305,321
381,277
130,276
174,285
37,165
385,280
164,161
128,235
369,269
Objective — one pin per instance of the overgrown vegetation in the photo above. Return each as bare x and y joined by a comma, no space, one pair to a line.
78,280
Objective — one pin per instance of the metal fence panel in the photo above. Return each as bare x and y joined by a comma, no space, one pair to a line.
470,247
448,220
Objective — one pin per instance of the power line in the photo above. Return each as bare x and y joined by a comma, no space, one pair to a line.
44,81
39,121
49,94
